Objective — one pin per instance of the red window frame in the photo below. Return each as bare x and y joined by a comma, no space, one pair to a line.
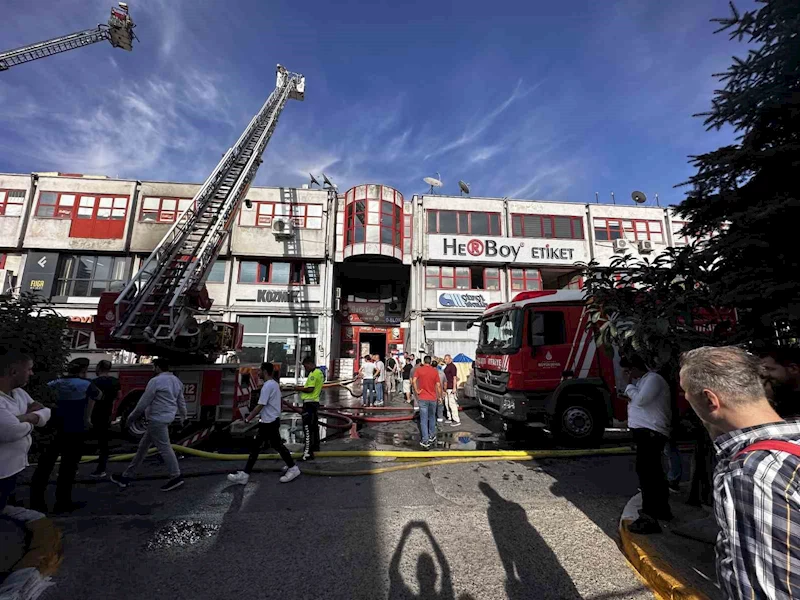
469,215
448,272
106,220
266,211
162,215
264,272
528,282
2,261
352,211
608,225
677,238
393,225
546,221
5,197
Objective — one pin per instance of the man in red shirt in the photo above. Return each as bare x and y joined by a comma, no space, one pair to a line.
428,387
451,398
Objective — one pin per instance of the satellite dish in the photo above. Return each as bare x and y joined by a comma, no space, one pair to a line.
327,181
313,180
434,182
639,197
464,187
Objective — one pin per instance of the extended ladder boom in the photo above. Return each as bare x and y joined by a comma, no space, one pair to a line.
119,32
159,302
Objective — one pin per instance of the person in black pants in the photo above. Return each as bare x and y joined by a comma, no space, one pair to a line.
268,410
75,402
101,415
650,421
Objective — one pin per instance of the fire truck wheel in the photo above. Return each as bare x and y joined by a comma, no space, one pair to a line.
127,407
578,422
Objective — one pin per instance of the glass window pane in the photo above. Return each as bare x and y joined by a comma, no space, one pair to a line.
480,224
282,325
280,272
563,227
432,221
253,325
432,282
47,198
447,222
431,325
432,271
252,352
13,210
118,214
80,287
169,204
460,325
87,201
445,326
494,223
314,210
577,228
516,273
282,210
121,267
386,207
151,203
547,225
358,233
533,226
85,267
217,272
247,271
66,200
183,205
65,266
106,202
601,234
120,203
447,281
46,211
102,269
103,213
308,324
386,220
516,226
386,234
463,222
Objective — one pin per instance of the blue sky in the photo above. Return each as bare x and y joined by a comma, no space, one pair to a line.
533,99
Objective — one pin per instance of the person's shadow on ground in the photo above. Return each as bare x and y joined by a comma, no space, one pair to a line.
427,573
532,568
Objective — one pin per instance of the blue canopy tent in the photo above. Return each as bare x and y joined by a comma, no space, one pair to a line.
462,358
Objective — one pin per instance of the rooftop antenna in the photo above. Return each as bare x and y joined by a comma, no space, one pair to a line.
434,182
327,183
638,197
658,204
597,197
313,180
464,187
612,198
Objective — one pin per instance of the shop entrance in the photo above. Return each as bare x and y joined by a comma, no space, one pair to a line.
372,343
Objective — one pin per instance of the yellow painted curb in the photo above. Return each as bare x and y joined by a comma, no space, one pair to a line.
656,572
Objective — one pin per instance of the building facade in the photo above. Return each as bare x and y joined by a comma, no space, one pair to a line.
367,270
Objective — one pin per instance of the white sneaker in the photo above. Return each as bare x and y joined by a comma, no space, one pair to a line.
440,420
292,473
239,477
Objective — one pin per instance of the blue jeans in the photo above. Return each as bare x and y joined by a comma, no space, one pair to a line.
675,471
427,419
379,390
369,391
7,485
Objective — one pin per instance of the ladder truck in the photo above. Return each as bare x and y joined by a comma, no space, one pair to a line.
118,31
159,312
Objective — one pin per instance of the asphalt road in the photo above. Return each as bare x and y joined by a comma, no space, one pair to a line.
486,530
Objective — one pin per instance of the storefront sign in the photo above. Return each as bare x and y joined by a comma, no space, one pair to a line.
505,250
366,312
40,272
285,296
461,300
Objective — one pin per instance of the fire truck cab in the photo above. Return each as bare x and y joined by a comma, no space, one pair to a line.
537,364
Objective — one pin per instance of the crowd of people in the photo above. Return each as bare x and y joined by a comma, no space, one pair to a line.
431,388
749,406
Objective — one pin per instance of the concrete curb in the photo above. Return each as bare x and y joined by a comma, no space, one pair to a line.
30,576
656,572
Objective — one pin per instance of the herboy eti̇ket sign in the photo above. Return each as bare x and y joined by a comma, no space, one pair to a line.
505,250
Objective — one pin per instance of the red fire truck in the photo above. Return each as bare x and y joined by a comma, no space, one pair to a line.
537,364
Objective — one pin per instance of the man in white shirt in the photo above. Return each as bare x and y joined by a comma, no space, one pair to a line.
380,379
18,416
367,374
650,420
268,410
161,402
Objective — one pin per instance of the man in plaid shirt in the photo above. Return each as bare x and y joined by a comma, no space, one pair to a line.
757,479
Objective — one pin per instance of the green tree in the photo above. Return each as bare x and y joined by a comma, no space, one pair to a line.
741,206
745,197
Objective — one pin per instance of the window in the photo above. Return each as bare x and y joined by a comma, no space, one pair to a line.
431,325
677,237
80,339
278,273
547,226
463,222
549,325
438,325
606,230
307,216
90,276
11,202
163,210
355,222
391,223
284,341
98,217
217,272
462,278
526,280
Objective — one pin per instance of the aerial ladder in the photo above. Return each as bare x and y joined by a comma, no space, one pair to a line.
157,311
118,31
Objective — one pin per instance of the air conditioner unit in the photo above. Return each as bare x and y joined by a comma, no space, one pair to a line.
620,245
282,227
6,282
646,246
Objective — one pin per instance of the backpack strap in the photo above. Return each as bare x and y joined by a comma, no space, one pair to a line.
778,445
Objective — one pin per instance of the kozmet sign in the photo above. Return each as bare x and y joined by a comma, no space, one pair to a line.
505,250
